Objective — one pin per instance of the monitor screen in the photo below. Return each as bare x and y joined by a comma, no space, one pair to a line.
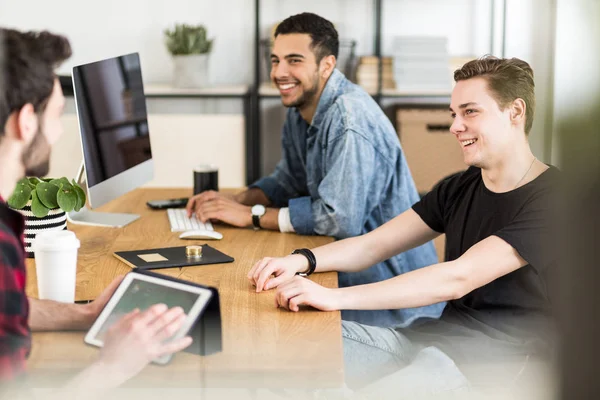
113,124
113,119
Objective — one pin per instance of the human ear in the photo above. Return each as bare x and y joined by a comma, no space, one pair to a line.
26,123
517,110
327,66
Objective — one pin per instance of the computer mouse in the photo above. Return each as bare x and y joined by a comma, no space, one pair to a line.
201,234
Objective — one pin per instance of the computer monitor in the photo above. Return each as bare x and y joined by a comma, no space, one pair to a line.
115,139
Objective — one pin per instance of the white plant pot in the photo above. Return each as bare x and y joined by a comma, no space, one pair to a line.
55,220
191,71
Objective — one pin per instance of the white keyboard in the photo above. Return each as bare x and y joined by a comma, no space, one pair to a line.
181,223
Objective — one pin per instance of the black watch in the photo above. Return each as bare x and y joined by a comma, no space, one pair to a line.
257,211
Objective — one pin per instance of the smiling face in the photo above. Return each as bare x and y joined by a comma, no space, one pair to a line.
485,133
295,72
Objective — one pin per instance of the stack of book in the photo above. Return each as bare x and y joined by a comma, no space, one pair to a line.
421,64
367,73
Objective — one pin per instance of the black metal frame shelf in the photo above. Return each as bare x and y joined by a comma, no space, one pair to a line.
253,95
264,91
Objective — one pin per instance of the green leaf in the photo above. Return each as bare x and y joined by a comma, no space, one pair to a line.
47,194
37,208
25,181
81,198
34,180
20,195
64,181
67,198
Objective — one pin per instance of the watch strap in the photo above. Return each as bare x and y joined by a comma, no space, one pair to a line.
256,221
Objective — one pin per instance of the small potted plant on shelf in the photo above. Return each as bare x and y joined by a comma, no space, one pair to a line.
190,48
44,204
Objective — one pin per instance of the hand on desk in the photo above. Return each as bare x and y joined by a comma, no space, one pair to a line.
211,205
301,291
284,269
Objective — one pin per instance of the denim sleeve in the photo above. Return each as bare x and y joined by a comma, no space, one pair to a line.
352,183
286,181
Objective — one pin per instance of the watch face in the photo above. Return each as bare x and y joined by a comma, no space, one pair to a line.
259,210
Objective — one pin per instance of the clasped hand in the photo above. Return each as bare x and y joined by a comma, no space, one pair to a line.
293,291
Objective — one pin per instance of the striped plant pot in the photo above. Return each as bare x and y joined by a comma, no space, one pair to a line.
55,220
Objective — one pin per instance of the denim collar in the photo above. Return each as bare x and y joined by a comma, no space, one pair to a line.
330,93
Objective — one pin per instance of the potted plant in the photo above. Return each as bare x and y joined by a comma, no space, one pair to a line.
190,47
44,204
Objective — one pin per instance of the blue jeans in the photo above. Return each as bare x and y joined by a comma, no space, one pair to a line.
383,363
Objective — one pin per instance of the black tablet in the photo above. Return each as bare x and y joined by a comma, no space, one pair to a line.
142,291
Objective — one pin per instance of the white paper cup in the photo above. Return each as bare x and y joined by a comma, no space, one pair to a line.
56,265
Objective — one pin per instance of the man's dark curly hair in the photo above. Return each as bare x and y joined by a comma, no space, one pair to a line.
27,64
324,37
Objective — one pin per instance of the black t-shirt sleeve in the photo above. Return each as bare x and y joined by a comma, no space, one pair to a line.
530,232
432,207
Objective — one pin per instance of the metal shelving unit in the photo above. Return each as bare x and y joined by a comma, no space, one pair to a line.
262,90
252,95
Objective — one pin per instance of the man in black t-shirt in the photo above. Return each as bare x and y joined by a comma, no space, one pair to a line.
495,276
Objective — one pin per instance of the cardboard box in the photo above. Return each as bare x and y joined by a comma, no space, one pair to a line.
432,152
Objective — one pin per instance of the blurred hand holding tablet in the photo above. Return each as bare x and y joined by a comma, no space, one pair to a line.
141,291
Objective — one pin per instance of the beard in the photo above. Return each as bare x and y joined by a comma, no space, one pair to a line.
36,159
307,95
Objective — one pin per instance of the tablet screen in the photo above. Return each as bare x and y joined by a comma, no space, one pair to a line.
141,291
142,294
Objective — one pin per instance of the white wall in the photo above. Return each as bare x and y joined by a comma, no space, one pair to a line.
104,29
466,23
530,36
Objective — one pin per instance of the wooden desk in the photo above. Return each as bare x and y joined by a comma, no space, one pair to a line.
262,346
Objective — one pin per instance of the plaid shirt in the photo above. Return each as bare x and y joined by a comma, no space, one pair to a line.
15,337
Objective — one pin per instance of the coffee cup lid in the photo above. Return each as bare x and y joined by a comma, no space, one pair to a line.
55,241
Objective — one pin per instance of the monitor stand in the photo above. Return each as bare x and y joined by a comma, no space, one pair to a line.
85,216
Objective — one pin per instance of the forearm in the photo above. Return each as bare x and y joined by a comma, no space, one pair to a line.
402,233
48,315
348,255
270,220
252,197
417,288
483,263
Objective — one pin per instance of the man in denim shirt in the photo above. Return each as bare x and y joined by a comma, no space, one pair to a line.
342,173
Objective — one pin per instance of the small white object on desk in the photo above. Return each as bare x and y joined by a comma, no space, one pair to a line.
56,265
201,234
